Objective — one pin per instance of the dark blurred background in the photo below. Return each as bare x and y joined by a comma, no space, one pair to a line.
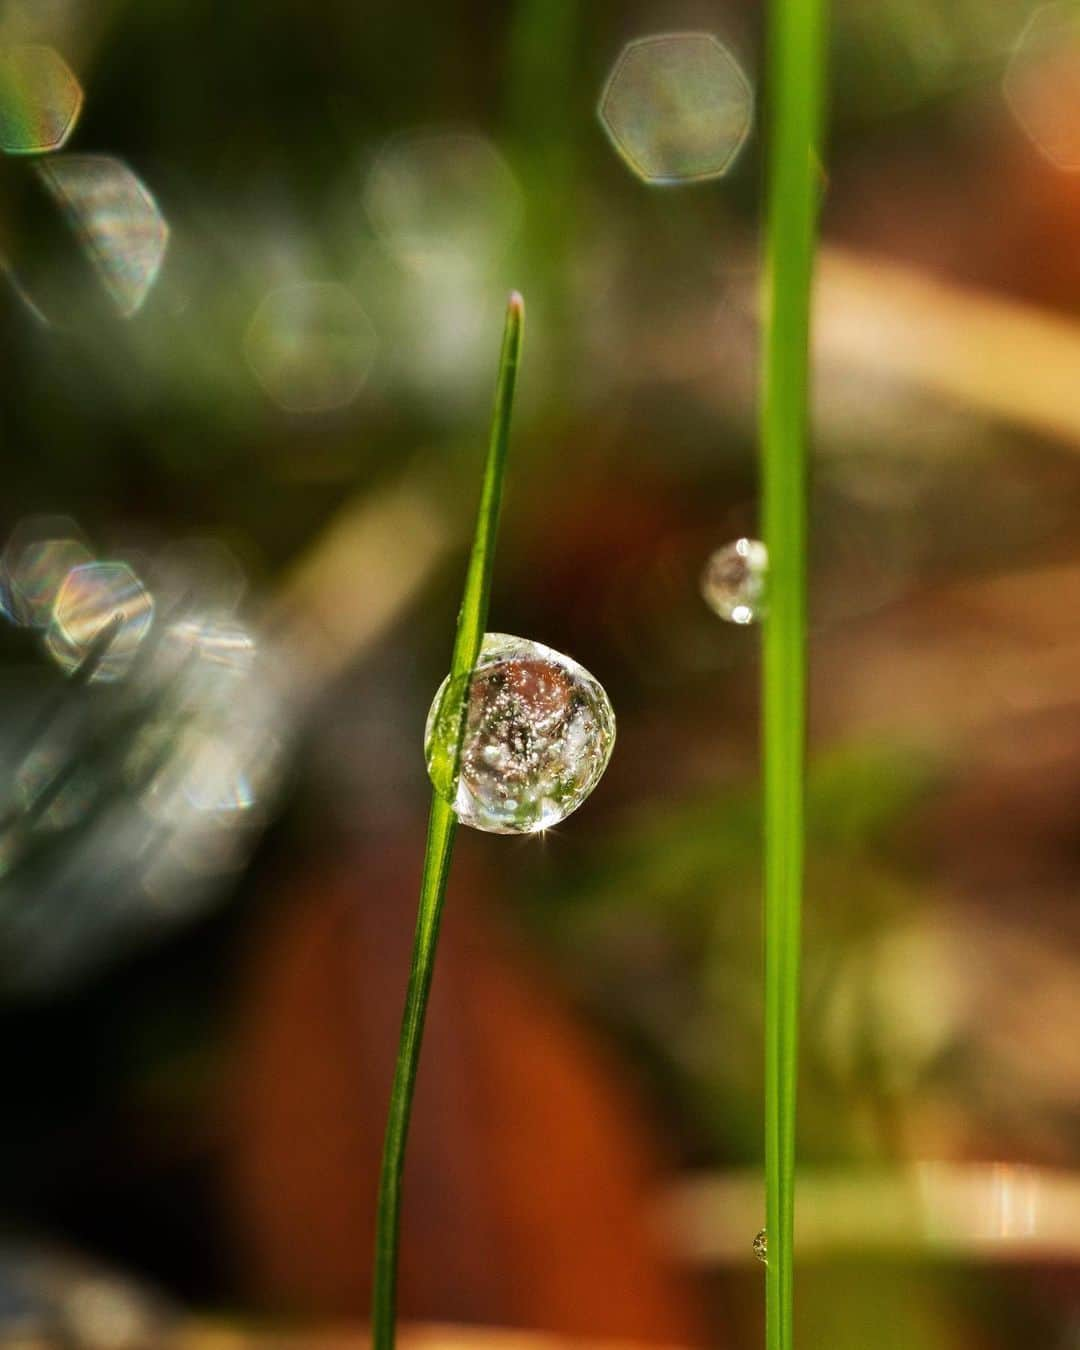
255,259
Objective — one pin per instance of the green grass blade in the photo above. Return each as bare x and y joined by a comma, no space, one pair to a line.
442,827
796,78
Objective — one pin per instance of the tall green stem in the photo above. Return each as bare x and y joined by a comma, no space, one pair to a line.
442,827
795,91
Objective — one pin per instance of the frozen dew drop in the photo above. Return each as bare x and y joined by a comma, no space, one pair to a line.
538,733
677,107
92,597
40,99
734,581
310,345
761,1247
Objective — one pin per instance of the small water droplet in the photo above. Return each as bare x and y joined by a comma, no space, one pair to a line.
761,1247
538,734
734,580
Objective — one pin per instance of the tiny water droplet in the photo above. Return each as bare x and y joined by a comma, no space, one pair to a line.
538,733
761,1247
734,579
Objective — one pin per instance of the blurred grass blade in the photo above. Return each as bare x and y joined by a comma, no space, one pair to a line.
442,826
796,78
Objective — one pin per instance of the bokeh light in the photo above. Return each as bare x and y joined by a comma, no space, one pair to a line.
40,99
677,107
212,772
51,787
199,571
39,554
443,201
132,801
116,220
1042,84
310,346
92,597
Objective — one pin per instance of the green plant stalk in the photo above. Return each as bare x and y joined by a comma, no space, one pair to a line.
442,827
795,88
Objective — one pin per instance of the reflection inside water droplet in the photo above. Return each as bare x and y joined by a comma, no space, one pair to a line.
538,733
734,581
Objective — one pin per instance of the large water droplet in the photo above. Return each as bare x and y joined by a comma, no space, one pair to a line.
761,1247
734,579
538,733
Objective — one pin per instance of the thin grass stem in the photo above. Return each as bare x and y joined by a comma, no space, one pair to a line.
442,827
795,89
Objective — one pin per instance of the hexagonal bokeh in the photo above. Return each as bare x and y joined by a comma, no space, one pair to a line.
1042,84
197,572
677,107
310,346
40,99
92,597
115,219
443,201
37,557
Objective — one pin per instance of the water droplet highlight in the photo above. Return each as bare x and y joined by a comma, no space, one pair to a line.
538,734
734,581
761,1247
